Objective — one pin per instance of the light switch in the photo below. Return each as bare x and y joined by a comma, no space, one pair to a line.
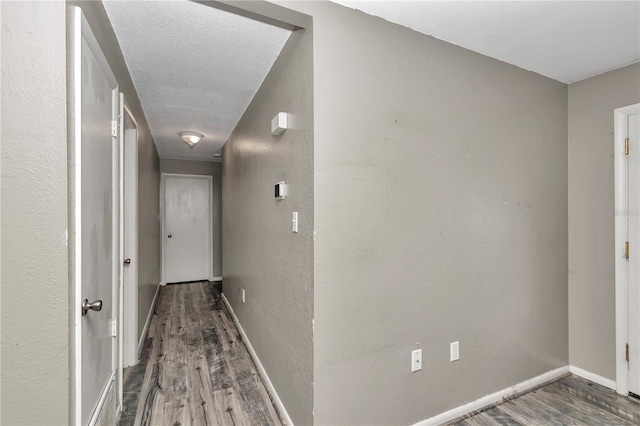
294,222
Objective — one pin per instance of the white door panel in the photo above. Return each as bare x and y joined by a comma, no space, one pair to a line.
95,216
187,239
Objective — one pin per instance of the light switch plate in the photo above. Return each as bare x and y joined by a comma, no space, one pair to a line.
455,351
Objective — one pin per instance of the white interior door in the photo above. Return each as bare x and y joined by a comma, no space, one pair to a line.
634,258
95,194
130,239
187,228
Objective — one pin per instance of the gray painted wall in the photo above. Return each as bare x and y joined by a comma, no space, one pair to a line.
591,227
148,162
34,253
441,216
190,167
260,253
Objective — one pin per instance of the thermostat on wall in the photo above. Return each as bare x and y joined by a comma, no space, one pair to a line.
281,190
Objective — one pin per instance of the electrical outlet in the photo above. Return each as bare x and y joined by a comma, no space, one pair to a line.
416,360
455,351
243,296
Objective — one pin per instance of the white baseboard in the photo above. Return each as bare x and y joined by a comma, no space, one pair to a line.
103,397
488,400
214,279
261,371
147,323
611,384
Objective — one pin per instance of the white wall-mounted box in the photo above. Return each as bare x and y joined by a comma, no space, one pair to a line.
279,123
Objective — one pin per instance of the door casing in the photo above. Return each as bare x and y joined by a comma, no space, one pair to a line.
129,317
622,284
163,224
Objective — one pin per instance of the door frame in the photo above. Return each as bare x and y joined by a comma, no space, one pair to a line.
129,313
620,118
163,227
79,29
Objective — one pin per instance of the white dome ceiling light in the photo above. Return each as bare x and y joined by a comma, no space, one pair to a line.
191,138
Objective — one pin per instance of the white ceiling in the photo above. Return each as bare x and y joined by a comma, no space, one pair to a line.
564,40
195,68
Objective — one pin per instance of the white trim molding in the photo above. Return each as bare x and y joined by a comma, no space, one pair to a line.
163,225
494,398
592,377
284,416
621,234
147,323
214,279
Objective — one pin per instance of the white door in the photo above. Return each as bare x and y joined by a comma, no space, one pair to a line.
95,194
633,128
187,240
130,238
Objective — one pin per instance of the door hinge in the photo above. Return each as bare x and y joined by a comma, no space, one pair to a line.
626,250
626,146
114,129
626,353
114,327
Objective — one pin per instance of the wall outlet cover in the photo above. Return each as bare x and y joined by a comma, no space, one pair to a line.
416,360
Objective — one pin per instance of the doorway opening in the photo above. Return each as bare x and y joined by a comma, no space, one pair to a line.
129,318
186,206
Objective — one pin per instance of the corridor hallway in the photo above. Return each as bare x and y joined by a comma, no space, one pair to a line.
194,368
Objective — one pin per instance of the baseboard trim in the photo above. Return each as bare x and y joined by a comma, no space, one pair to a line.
282,411
145,330
215,279
103,398
595,378
494,398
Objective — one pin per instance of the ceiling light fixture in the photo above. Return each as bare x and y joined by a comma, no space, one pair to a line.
191,138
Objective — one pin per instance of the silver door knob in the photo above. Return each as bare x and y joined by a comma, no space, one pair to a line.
93,306
127,261
169,236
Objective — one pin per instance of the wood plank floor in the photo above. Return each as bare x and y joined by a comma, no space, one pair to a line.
194,369
568,401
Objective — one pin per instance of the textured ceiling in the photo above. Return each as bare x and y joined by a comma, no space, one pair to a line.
195,68
564,40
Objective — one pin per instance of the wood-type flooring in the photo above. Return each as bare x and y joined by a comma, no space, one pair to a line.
194,369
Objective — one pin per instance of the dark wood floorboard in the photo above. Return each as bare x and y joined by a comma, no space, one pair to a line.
194,369
570,400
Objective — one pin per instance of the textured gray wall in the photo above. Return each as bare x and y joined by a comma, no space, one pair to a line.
34,253
441,216
591,229
190,167
260,253
148,162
